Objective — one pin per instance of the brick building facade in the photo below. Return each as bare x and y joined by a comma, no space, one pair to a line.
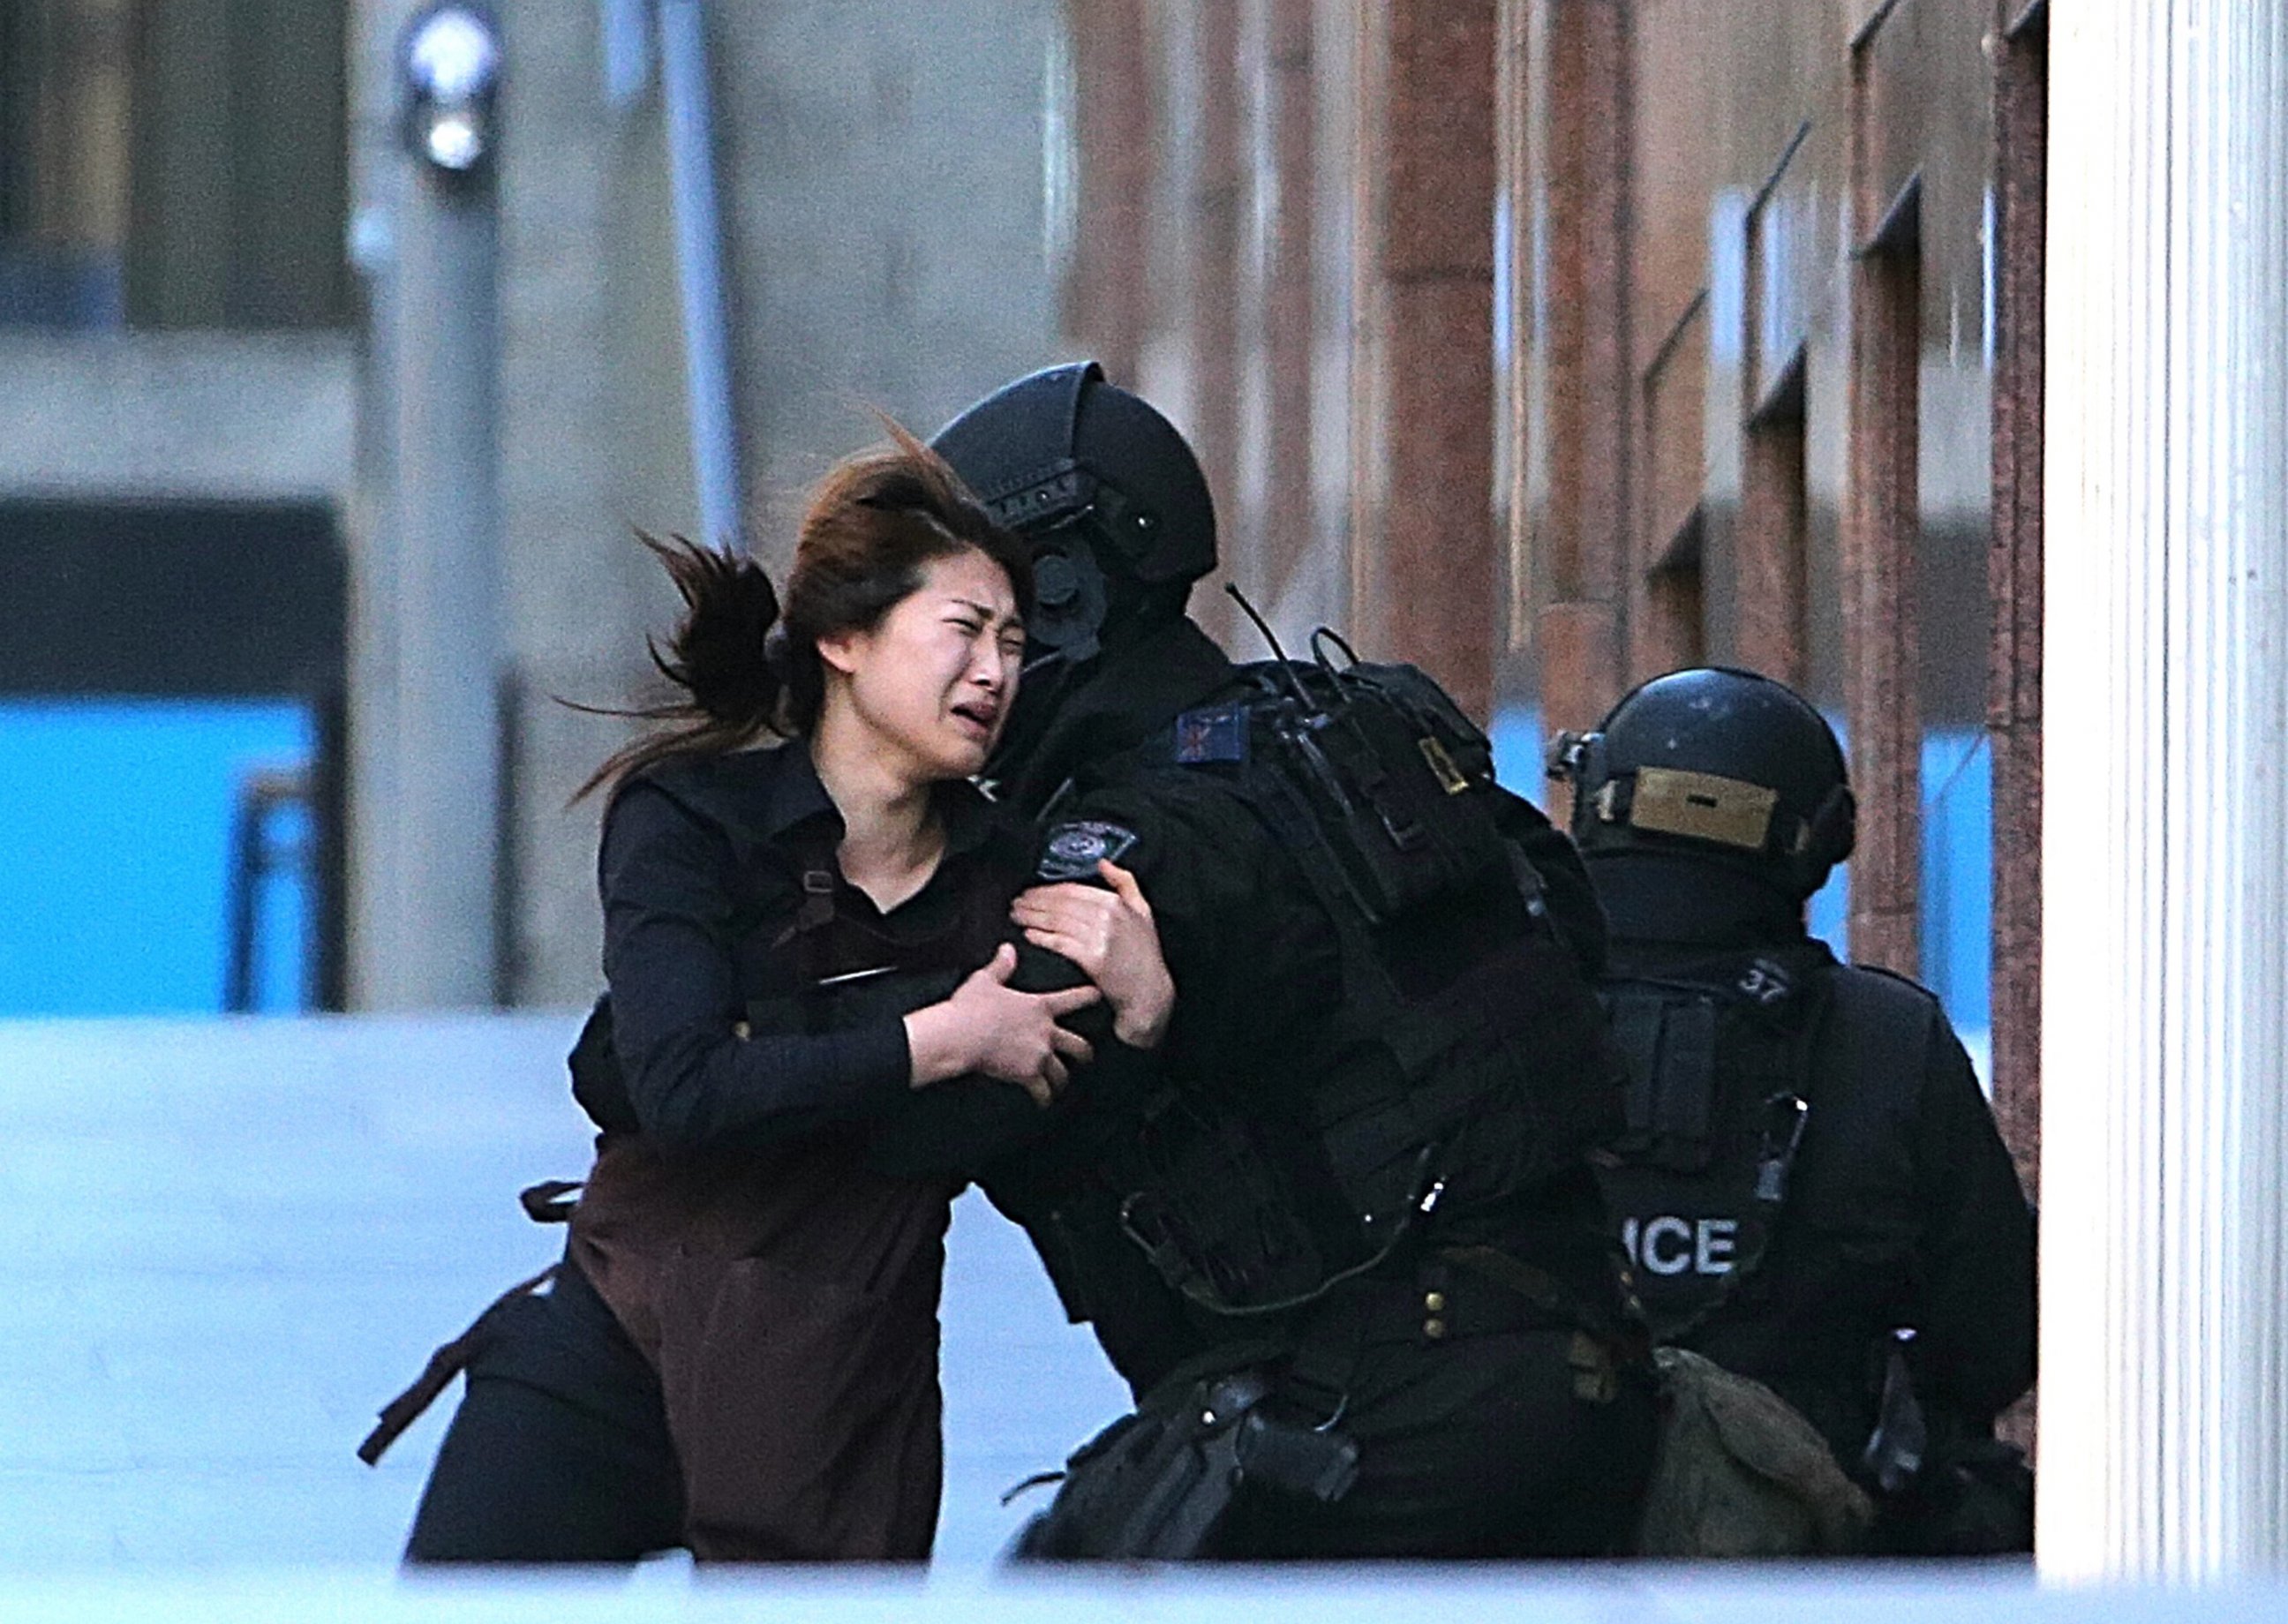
1552,344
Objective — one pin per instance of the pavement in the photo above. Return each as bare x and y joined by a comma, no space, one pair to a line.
226,1242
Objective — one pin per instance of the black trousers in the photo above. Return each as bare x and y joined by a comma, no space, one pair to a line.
559,1450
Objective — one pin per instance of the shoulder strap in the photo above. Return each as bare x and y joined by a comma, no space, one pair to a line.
806,879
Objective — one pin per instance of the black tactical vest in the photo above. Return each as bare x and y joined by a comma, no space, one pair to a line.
1719,1057
1467,1061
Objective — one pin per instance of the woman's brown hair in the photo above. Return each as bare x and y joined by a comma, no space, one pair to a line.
749,667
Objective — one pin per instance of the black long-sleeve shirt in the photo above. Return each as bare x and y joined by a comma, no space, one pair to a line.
702,869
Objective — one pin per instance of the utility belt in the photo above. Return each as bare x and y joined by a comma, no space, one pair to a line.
1268,1415
1453,1294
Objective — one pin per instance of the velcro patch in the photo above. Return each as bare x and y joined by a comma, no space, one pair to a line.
1075,849
1702,806
1214,732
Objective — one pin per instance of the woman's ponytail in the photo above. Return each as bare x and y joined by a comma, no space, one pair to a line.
717,654
726,661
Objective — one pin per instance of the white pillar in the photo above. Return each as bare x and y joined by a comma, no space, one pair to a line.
2165,1142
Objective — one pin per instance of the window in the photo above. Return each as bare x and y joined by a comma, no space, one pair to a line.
65,76
173,163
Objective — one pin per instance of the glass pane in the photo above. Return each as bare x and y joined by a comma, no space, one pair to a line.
115,817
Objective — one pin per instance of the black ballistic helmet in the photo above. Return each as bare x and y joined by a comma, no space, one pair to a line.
1103,487
1719,765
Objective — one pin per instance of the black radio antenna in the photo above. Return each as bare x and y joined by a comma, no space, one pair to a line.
1286,667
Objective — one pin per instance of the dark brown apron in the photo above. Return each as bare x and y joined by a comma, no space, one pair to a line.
789,1298
789,1306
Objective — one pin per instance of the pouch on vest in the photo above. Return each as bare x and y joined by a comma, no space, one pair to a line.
1392,782
1158,1484
1218,1217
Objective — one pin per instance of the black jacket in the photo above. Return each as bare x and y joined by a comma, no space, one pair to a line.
1902,1207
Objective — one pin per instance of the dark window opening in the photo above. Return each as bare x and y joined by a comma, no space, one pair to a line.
171,164
171,709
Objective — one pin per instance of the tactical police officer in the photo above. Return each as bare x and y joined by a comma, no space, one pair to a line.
1809,1185
1339,1234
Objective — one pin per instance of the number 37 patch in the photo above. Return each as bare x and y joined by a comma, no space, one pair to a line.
1073,849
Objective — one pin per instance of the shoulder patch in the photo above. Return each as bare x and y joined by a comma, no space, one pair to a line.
1073,849
1214,732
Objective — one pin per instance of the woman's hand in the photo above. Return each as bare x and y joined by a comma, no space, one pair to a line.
987,1027
1110,936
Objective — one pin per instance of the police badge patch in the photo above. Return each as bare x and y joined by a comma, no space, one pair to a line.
1075,849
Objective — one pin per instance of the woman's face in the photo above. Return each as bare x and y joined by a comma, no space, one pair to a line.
933,680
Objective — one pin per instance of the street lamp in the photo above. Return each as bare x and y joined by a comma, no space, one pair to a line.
434,759
449,67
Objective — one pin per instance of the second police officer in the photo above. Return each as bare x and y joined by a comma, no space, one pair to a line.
1809,1185
1340,1235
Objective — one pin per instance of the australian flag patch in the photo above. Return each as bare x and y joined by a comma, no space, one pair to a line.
1213,732
1073,849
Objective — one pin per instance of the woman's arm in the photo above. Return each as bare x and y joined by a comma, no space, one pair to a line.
1107,932
668,881
1074,935
693,1081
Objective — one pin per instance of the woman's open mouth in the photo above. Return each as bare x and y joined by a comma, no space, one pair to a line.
978,715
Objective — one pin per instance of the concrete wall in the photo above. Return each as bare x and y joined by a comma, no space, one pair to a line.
213,415
881,173
883,187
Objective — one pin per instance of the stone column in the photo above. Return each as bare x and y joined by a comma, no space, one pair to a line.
1422,581
1272,482
2164,833
1216,186
429,855
1881,533
2013,703
1104,293
1585,527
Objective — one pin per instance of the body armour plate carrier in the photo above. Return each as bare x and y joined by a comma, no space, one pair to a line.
1468,1061
1719,1057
